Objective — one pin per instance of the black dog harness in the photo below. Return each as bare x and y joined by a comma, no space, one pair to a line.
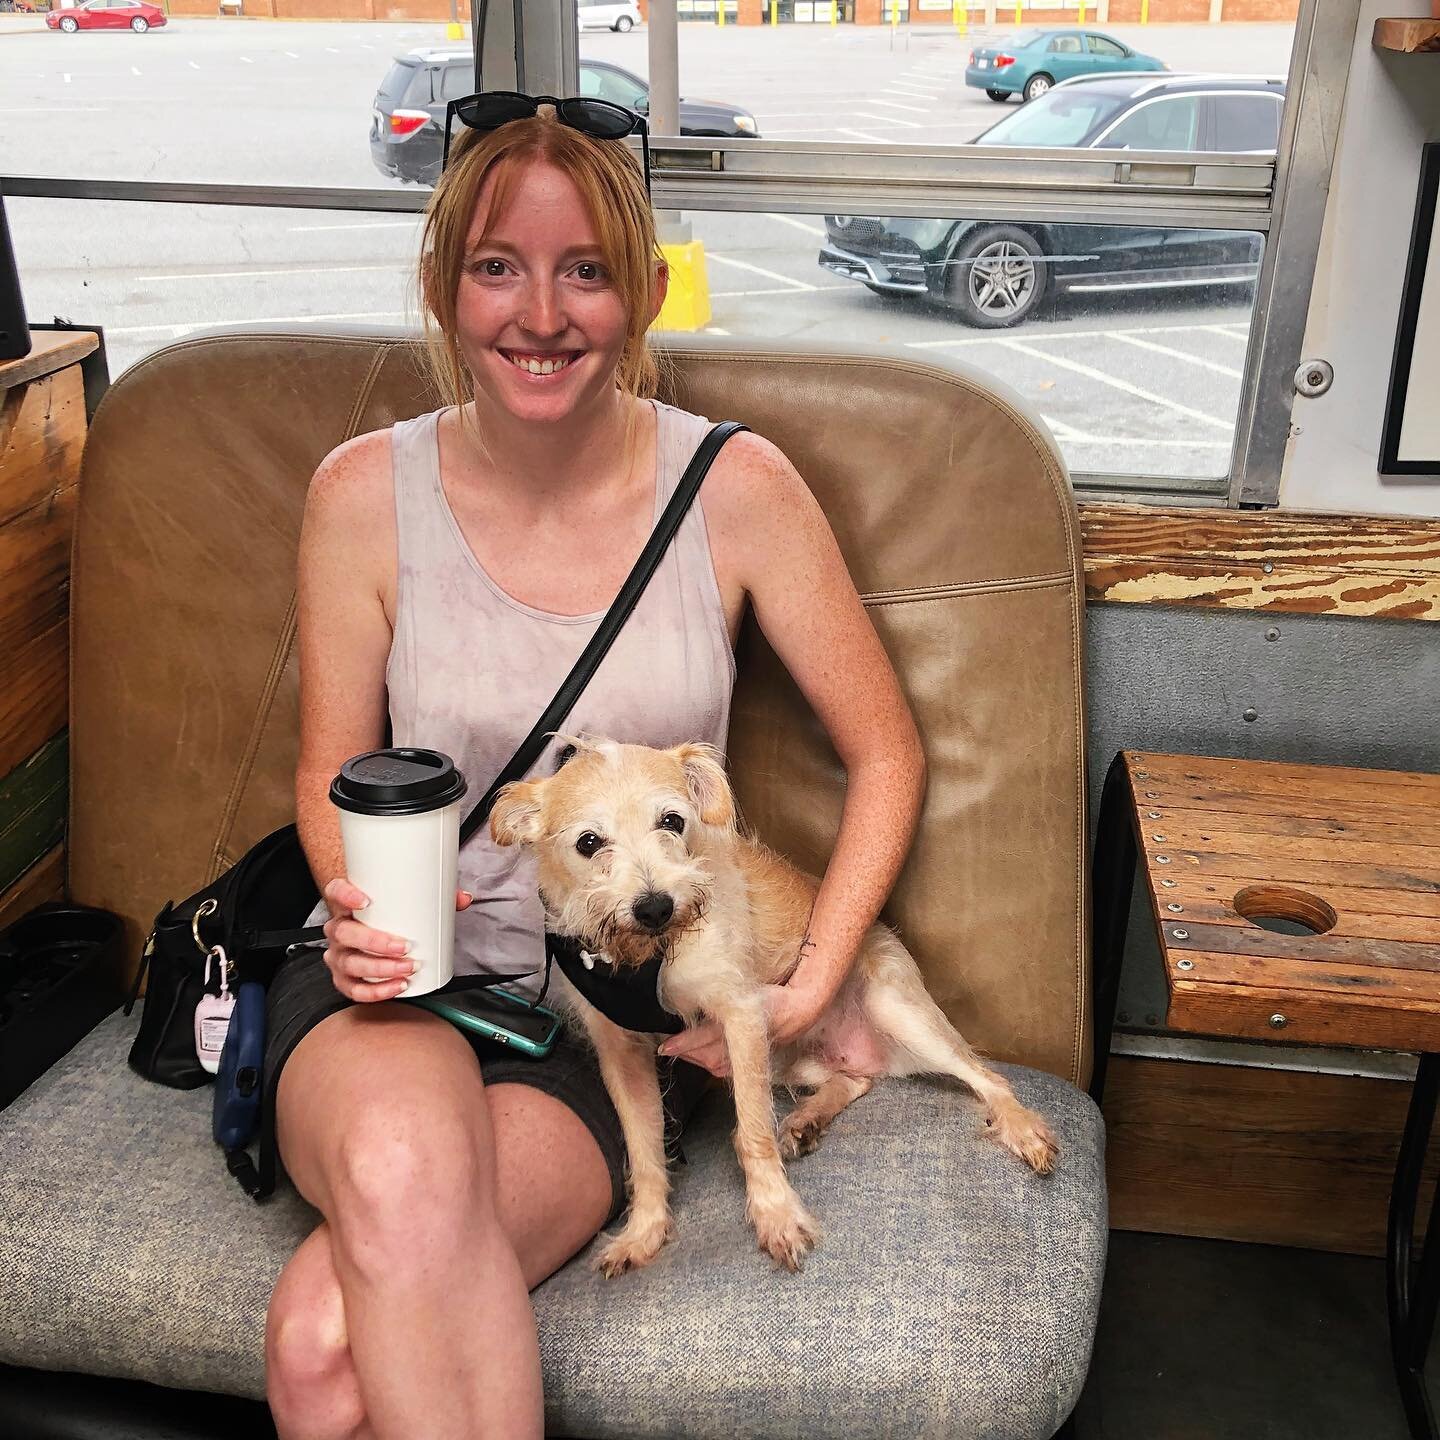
628,995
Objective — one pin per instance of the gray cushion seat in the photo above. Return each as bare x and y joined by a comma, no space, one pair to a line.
954,1293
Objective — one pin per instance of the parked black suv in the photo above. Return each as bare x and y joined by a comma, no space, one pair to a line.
993,275
407,125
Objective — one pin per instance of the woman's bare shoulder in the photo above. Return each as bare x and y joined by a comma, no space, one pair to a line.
753,487
353,474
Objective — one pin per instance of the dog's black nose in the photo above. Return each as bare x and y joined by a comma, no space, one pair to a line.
654,910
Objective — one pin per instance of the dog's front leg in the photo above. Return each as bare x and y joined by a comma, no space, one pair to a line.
785,1228
627,1065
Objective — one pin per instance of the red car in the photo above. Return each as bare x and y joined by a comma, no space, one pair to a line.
136,15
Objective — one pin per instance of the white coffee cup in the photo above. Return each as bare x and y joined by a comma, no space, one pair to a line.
400,825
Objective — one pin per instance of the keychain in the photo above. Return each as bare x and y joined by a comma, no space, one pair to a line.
212,1014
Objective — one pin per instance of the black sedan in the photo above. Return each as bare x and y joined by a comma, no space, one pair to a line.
407,123
993,275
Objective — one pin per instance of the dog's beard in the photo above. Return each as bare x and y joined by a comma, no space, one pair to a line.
601,925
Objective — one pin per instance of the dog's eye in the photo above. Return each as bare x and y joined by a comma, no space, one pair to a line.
671,821
589,843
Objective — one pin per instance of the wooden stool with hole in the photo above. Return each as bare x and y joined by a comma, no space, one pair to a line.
1298,903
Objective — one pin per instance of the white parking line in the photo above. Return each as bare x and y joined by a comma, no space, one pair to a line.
895,104
760,270
252,274
858,134
360,225
1230,332
134,69
292,54
790,290
795,224
192,64
890,120
1091,373
177,331
1180,355
1060,334
246,60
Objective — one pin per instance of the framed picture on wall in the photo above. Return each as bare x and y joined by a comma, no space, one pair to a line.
1410,442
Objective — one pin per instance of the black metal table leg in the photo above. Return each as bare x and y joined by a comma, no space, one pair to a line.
1112,880
1414,1293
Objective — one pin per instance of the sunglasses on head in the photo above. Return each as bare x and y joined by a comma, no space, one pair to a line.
602,119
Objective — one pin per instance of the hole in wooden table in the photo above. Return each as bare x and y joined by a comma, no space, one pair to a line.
1284,910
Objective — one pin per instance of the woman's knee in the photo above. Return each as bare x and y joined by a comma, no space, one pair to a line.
309,1373
384,1128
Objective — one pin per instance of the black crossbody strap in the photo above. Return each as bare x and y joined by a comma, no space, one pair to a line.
579,677
533,745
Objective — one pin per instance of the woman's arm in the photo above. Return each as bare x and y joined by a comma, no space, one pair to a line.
343,633
346,577
772,531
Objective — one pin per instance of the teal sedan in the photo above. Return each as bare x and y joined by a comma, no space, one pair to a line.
1031,61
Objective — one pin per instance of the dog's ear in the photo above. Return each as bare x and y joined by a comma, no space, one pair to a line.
515,820
707,783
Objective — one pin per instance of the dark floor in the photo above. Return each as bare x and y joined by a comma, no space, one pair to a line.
1205,1340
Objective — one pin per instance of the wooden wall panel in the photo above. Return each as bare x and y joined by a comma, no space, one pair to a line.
1281,561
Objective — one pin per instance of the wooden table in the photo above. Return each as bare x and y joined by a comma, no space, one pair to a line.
1298,903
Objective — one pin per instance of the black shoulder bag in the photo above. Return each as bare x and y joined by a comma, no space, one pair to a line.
253,909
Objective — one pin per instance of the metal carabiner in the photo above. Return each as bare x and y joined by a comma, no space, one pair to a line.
201,911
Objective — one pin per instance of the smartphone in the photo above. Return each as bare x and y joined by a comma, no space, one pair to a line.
500,1016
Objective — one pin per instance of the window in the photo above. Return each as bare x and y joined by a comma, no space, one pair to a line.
1246,122
1103,45
1061,117
1171,124
1064,45
457,81
609,82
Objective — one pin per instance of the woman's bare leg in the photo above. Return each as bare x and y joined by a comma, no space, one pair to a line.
543,1192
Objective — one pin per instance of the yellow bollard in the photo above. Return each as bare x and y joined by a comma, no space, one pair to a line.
834,16
454,31
964,16
774,12
719,12
1144,12
687,301
894,13
1081,20
1017,11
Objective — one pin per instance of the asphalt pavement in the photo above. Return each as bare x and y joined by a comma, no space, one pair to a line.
1144,382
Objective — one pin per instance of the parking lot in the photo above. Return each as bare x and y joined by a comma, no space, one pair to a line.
1142,382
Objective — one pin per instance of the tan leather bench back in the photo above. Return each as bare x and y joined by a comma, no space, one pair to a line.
953,511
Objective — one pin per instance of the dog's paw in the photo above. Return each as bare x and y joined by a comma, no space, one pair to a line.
799,1135
637,1244
1024,1133
787,1234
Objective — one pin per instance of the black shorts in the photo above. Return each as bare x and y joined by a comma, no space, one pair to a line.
302,994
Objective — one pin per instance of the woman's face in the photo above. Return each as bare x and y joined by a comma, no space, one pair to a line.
540,322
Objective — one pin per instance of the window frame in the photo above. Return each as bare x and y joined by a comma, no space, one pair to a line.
534,47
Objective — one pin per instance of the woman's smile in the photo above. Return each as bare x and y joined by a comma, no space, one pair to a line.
541,364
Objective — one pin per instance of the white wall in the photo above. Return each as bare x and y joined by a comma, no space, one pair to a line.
1392,107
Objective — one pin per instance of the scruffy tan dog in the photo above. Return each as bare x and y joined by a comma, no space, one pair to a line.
639,849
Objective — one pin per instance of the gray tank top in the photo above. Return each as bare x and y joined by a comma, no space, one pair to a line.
471,669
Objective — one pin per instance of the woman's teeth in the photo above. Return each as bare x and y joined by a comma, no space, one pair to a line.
540,367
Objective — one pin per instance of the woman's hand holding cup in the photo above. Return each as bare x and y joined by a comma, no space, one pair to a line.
366,964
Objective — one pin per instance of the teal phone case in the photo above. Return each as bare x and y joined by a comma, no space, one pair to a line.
446,1007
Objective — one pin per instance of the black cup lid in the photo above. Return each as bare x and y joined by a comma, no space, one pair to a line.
397,782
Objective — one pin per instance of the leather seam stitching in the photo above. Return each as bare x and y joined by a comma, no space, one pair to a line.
962,587
280,657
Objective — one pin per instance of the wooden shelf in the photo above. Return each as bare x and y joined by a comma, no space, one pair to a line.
50,350
1410,36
